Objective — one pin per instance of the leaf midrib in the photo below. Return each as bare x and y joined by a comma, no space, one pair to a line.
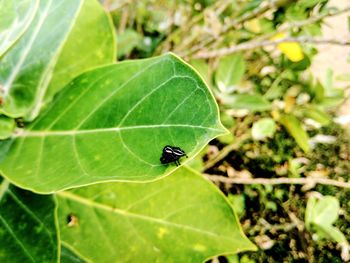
88,202
44,133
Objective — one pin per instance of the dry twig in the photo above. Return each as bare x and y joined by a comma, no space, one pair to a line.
256,44
283,28
225,151
276,181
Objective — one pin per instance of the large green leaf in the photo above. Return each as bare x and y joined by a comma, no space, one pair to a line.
90,43
56,46
181,218
27,226
16,16
7,126
112,124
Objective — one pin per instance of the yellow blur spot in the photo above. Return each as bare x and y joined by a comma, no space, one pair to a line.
253,25
292,50
97,157
161,232
199,247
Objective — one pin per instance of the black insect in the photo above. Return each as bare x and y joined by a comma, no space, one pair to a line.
172,154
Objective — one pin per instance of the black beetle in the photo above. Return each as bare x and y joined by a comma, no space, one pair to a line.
172,154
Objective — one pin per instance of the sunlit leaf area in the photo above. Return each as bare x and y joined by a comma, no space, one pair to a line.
199,131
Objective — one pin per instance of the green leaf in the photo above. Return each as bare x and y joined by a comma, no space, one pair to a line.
112,124
319,91
309,212
89,44
254,102
230,70
180,218
27,226
294,128
68,256
7,126
238,203
263,128
16,16
203,69
310,3
59,43
318,115
326,211
127,41
332,233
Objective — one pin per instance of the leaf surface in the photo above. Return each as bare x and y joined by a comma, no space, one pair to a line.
7,126
68,256
89,44
16,16
180,218
295,129
112,123
27,226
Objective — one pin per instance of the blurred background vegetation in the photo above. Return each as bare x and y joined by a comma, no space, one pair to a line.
285,166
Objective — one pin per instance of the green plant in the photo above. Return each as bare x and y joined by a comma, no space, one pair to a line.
320,216
88,120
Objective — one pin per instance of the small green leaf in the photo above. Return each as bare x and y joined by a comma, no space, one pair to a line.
333,233
319,91
16,16
294,128
27,226
317,115
230,70
127,41
310,211
254,102
326,211
263,128
7,126
112,124
162,221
